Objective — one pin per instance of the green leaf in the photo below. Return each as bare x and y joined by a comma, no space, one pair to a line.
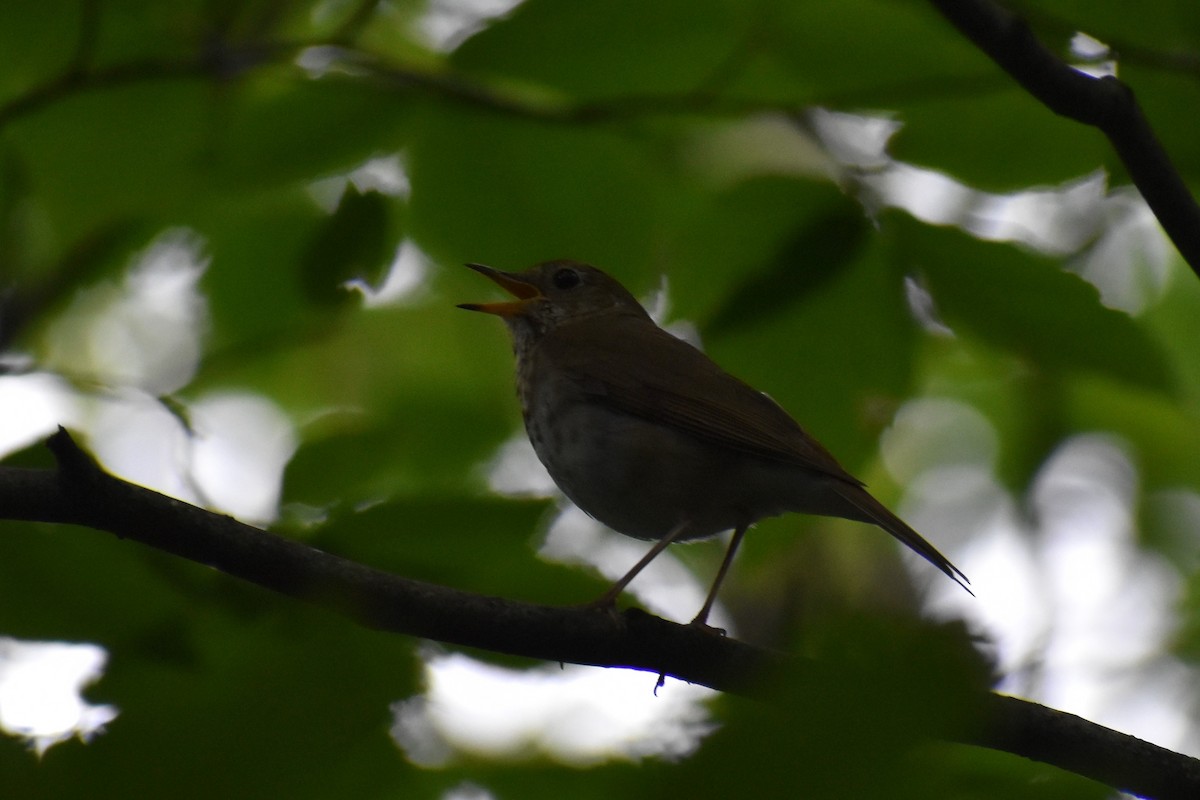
253,281
997,138
355,242
1028,305
815,255
842,358
856,54
512,192
728,238
128,152
632,48
281,128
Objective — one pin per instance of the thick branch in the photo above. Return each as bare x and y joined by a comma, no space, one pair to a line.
1105,103
80,493
1073,743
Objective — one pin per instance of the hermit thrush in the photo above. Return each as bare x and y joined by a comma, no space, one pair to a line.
649,436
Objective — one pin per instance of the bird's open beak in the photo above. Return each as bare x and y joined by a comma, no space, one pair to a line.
518,287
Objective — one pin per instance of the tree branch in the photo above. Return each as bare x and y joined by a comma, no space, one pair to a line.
1077,745
1105,103
79,492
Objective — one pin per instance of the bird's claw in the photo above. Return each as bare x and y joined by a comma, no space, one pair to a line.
700,624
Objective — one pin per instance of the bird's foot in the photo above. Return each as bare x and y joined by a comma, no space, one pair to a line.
700,623
606,603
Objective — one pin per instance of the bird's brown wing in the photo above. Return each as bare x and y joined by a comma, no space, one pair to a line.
651,374
643,370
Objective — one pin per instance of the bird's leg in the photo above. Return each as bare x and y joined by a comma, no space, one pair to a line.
702,617
609,598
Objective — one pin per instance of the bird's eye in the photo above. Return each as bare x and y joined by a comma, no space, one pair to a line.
566,278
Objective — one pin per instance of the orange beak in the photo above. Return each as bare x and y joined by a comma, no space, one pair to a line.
523,290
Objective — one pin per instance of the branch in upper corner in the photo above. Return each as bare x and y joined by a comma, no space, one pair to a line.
1105,103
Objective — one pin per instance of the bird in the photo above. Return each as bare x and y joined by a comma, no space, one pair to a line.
648,435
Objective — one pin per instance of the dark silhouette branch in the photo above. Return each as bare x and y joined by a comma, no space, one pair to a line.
1104,103
79,492
1073,743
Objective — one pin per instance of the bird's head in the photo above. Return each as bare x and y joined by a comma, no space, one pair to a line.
554,293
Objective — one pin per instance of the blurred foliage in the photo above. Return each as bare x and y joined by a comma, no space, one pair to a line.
561,129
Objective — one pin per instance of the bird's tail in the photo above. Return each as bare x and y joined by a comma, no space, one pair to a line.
874,511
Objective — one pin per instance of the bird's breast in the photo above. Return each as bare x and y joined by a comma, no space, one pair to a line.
637,476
